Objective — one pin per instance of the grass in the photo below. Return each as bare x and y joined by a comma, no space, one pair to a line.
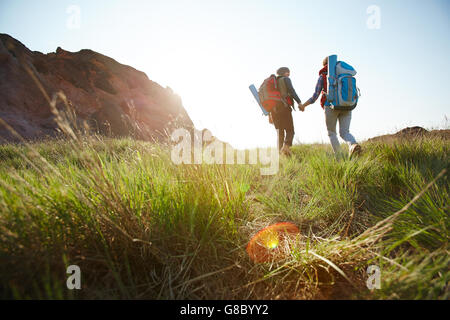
141,227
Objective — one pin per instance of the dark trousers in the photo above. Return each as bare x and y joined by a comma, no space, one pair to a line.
285,137
283,122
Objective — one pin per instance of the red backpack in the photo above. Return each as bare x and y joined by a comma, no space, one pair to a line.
269,93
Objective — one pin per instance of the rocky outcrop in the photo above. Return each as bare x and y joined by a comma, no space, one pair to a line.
110,97
412,133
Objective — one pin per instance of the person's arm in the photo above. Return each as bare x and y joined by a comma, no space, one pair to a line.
319,87
291,90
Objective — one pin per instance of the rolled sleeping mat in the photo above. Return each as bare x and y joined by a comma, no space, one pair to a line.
332,78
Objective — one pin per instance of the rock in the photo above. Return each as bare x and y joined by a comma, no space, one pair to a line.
111,97
412,133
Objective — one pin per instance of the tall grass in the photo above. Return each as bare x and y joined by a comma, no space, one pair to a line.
140,226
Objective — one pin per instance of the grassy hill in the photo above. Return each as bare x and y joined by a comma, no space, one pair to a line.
140,226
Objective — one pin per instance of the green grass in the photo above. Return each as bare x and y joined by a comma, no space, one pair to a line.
141,227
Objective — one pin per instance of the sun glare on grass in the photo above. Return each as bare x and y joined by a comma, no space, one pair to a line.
269,243
269,239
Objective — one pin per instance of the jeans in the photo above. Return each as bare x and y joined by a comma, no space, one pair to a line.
344,117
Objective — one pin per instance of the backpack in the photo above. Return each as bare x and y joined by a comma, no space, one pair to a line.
269,93
285,97
342,92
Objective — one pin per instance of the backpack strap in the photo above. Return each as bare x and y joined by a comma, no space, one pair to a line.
275,80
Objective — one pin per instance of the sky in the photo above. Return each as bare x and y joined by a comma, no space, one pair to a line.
210,51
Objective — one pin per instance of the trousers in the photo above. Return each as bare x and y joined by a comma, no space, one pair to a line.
344,118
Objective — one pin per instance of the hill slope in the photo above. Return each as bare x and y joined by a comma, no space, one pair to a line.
139,226
111,97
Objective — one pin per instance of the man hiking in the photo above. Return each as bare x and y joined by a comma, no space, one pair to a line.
332,116
282,113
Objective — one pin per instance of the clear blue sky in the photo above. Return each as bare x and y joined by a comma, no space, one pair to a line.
210,51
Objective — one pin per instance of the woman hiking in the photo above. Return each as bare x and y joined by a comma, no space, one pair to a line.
332,116
282,113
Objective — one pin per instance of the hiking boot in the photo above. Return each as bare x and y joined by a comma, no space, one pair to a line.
355,150
286,150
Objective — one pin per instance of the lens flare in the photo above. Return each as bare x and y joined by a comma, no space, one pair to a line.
265,245
269,239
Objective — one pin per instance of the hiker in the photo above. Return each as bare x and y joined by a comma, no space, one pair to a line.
332,116
281,116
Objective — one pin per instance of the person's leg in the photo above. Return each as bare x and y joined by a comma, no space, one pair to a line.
280,133
331,117
289,130
345,117
277,125
286,150
289,137
344,130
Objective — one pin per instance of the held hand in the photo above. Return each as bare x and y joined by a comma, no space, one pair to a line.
305,105
301,107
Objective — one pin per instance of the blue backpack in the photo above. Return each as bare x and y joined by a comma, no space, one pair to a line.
343,94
